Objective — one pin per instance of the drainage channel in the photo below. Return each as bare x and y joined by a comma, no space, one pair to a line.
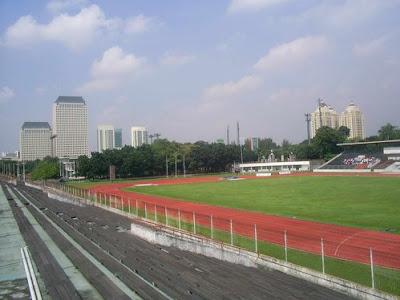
99,265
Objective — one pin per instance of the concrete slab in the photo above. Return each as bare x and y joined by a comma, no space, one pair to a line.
11,240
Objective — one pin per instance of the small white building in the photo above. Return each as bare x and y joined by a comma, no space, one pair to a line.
264,167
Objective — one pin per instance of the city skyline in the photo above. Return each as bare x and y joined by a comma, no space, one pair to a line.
189,69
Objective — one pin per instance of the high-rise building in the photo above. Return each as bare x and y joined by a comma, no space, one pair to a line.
105,137
138,136
254,143
35,140
324,115
118,138
354,119
70,126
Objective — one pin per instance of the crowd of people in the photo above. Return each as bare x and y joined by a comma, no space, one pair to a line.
361,159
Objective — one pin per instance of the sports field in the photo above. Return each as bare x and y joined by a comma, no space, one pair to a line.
357,201
299,210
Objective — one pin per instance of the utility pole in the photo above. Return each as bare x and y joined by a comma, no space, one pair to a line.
23,171
166,164
176,164
308,119
238,140
184,167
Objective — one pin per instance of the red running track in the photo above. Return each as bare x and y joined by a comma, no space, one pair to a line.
339,241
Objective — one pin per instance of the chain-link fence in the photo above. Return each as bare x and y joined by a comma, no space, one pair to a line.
376,265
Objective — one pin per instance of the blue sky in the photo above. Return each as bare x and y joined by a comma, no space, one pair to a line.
187,69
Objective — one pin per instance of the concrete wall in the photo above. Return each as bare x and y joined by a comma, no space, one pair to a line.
170,237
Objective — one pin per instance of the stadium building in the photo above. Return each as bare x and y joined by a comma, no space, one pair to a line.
377,156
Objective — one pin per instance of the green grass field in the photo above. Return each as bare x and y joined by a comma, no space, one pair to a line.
364,202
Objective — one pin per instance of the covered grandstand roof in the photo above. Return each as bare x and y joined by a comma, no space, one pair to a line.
369,143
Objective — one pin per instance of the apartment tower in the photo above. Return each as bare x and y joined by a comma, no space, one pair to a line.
105,137
353,118
35,140
324,115
138,136
70,127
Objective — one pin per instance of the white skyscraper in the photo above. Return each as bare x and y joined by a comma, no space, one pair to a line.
138,136
354,119
70,126
105,137
35,140
324,114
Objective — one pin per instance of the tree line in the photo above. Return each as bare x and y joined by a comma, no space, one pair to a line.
199,157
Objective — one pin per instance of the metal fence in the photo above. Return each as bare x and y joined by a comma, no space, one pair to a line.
377,265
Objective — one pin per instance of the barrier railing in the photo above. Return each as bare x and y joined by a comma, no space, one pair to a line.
375,266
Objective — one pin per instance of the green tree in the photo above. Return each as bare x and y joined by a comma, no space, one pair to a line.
326,140
344,130
389,132
45,170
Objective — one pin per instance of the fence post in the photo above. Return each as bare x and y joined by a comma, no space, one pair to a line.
155,213
212,227
255,238
166,216
179,218
122,207
285,245
145,210
231,232
129,206
194,223
372,267
137,209
323,256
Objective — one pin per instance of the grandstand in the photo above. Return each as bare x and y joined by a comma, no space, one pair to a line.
377,156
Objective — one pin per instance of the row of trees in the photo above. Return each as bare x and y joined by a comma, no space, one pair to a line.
199,157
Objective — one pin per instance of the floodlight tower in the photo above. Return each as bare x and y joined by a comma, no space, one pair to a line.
227,135
320,114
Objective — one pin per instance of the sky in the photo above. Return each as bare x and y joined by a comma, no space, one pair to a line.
188,69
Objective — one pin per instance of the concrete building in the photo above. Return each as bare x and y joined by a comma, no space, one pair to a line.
138,136
354,119
325,114
35,140
118,138
70,126
105,137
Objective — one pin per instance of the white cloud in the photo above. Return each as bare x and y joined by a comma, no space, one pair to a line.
138,24
237,6
292,53
97,85
233,88
6,93
171,59
58,6
371,47
116,62
73,31
111,70
342,15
